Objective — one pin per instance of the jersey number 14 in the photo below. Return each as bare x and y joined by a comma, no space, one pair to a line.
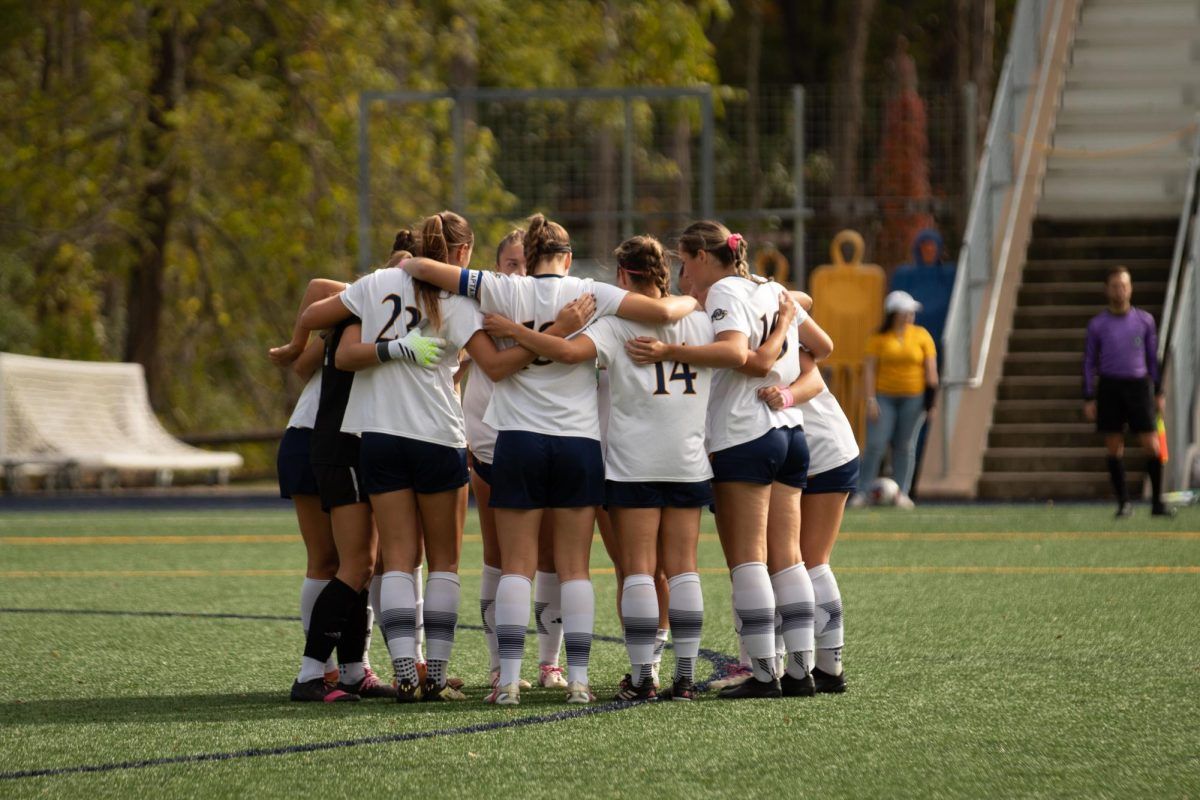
679,372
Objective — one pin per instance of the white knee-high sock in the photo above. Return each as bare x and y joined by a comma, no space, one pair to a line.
419,588
397,617
373,608
830,633
579,617
487,612
512,617
743,656
755,604
794,599
639,616
441,619
310,589
547,613
686,612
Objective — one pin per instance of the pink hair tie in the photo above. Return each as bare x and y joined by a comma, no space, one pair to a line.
789,399
733,241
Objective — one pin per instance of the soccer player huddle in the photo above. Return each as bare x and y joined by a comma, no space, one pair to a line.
580,402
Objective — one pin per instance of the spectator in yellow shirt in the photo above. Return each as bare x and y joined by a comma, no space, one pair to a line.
900,375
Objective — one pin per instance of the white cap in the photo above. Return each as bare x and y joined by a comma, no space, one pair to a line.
902,302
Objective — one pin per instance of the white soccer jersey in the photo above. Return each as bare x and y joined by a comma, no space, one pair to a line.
481,437
603,405
656,421
735,413
545,397
304,415
831,441
398,397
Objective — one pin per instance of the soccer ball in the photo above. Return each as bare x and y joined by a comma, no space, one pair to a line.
883,492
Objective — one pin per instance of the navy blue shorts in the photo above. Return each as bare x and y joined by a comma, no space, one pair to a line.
292,464
836,480
794,469
481,469
533,470
756,461
392,463
657,494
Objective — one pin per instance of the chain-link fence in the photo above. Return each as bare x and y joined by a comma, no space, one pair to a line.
608,163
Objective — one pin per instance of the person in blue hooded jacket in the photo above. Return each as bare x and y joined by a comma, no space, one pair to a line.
930,281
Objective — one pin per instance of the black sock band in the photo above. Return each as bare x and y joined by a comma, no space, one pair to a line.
334,605
1154,471
354,638
1116,473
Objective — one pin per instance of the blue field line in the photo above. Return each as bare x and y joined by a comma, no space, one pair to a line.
718,660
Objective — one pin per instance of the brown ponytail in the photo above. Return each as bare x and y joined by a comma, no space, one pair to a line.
645,262
439,235
713,237
544,240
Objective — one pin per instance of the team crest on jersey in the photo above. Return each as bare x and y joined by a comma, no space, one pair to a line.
1137,341
719,314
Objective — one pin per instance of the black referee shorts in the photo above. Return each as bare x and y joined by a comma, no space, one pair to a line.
1121,402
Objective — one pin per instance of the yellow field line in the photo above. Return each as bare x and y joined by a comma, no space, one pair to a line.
863,536
880,570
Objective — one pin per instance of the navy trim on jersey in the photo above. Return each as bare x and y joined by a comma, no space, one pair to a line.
549,275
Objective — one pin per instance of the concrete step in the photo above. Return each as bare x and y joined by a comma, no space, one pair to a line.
1032,369
1038,411
1054,344
1058,386
1118,143
1055,459
1180,54
1159,164
1052,486
1134,117
1079,292
1135,14
1124,100
1070,206
1104,77
1048,271
1148,247
1065,316
1090,189
1100,33
1080,434
1077,227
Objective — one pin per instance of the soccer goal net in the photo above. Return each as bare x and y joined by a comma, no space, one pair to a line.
87,417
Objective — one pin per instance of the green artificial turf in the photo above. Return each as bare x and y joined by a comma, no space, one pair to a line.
991,651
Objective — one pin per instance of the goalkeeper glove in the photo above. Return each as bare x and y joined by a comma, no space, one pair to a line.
424,351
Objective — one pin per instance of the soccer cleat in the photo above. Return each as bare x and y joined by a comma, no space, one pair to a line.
579,694
732,674
751,689
1161,510
432,693
828,684
495,681
628,693
797,687
681,689
509,695
550,676
369,686
859,500
455,682
1124,511
905,502
318,691
407,692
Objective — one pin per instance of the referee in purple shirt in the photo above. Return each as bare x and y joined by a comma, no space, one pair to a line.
1121,385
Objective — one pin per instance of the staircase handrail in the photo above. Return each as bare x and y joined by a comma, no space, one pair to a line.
1177,262
1183,358
976,269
